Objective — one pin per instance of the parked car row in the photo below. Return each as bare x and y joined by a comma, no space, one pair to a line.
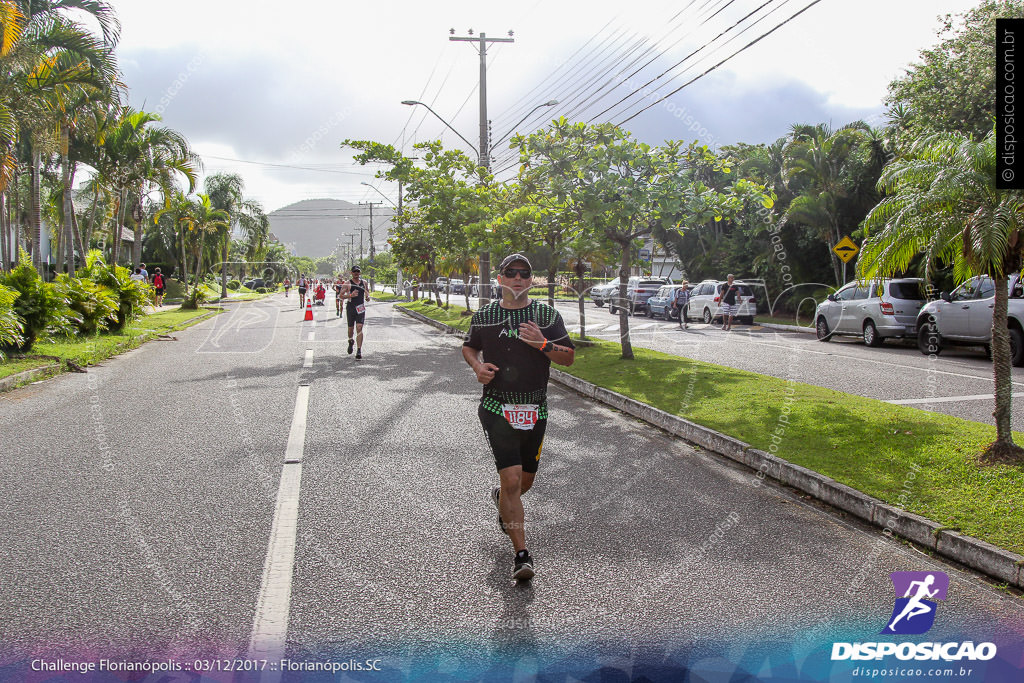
899,308
654,296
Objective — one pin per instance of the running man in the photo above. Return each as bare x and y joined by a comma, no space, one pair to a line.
287,286
510,346
355,290
339,285
301,285
914,606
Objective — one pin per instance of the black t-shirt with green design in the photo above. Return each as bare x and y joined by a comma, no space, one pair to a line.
523,371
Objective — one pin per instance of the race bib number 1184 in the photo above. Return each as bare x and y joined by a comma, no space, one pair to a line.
521,416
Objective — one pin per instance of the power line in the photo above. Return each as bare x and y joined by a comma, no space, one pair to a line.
750,44
695,52
289,166
560,95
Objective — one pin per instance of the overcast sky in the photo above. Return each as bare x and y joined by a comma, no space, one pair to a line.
269,89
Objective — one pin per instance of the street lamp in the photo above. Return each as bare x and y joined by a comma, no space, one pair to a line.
550,103
380,193
415,102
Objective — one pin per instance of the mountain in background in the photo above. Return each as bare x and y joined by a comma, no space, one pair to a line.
317,227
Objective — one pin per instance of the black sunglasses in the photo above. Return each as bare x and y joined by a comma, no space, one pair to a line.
521,272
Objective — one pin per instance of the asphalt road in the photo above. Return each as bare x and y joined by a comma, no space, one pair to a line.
139,502
957,382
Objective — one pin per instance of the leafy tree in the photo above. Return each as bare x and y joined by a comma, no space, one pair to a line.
625,189
942,202
952,87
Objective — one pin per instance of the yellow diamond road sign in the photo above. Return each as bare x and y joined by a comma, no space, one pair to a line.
846,249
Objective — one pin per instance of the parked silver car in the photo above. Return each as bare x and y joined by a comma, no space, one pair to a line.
639,289
601,293
965,317
874,311
706,302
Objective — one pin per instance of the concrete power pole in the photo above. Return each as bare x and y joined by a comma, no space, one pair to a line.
373,252
485,156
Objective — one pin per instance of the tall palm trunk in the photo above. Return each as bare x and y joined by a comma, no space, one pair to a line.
627,345
5,233
67,177
552,275
1001,369
580,272
116,248
183,275
224,264
137,246
35,213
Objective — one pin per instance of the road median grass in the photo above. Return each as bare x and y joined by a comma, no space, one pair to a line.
453,315
85,351
867,444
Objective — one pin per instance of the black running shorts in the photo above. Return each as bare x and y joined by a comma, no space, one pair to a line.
512,446
353,317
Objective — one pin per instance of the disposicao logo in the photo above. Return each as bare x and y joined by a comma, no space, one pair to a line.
913,614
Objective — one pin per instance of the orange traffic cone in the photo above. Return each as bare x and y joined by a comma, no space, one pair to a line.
309,308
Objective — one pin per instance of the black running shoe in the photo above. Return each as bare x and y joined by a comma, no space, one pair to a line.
351,343
495,495
523,569
359,354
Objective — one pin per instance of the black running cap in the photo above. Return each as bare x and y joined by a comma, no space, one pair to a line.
512,258
355,269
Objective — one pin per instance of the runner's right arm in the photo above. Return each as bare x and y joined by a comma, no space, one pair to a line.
484,371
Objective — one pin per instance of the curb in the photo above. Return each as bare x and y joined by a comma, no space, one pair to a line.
9,383
967,550
785,328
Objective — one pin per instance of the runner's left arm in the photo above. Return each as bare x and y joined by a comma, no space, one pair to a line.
556,344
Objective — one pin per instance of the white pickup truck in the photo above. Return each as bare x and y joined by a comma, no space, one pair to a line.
965,317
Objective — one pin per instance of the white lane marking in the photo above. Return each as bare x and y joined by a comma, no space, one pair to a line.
949,399
307,362
645,326
270,625
297,435
310,337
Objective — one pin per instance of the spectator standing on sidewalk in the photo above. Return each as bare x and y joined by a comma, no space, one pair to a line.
730,292
682,302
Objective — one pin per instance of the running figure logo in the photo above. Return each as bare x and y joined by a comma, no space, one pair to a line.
914,612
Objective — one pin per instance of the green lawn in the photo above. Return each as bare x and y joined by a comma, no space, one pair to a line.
861,442
90,350
452,315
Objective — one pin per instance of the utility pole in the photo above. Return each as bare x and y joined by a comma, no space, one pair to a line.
373,252
352,249
485,156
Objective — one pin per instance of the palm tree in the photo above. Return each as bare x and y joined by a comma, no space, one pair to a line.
819,167
135,157
225,192
943,204
200,218
60,61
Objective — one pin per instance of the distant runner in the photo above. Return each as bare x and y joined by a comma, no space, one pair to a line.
339,286
516,338
302,290
287,286
355,290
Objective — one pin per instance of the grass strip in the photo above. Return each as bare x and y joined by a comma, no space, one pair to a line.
861,442
450,316
91,350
